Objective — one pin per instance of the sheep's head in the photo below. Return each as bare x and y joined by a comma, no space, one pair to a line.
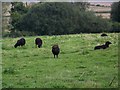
107,43
55,46
15,45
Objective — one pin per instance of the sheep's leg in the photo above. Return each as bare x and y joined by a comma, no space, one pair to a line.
54,56
22,45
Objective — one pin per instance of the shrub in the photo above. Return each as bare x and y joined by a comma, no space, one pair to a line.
115,27
61,18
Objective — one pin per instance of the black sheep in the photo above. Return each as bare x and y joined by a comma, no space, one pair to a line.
55,50
20,42
38,42
104,46
103,35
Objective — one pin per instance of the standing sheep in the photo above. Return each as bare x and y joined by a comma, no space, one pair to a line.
20,42
55,50
38,42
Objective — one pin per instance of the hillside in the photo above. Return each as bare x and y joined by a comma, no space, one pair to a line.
78,64
101,9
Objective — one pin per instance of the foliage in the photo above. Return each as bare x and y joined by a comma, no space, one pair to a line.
115,12
18,10
115,27
61,18
5,17
78,64
83,6
89,23
5,6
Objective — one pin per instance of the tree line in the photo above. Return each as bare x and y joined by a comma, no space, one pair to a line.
55,18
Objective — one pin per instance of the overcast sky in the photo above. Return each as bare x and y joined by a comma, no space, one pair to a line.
103,0
62,0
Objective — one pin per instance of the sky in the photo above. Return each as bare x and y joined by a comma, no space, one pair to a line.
103,0
62,0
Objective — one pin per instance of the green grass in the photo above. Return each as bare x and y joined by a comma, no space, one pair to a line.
78,65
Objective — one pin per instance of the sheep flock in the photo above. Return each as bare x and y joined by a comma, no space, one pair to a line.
55,48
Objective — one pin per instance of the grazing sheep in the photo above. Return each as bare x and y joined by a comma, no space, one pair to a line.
38,42
55,50
20,42
103,35
104,46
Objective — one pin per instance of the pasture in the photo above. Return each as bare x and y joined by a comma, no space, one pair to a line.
78,64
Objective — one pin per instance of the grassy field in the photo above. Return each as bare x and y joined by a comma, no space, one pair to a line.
78,65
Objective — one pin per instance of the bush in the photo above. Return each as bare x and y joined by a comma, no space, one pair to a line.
115,27
60,18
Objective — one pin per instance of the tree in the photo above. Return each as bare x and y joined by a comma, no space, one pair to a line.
50,18
5,16
82,5
18,10
5,7
115,11
59,18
